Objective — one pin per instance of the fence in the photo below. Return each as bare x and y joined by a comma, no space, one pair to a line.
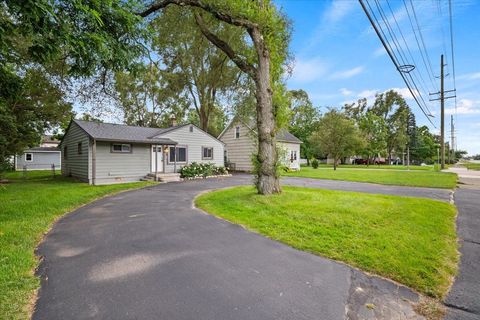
26,168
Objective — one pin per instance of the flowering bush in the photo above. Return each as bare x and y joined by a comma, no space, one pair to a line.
204,170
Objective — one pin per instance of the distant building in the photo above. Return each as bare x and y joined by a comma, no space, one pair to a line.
41,157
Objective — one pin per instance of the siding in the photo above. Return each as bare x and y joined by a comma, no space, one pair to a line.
287,148
76,165
195,141
239,151
41,160
114,167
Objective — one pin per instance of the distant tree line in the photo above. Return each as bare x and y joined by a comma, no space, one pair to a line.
386,128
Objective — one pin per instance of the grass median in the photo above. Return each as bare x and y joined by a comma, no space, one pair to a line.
414,178
28,207
410,240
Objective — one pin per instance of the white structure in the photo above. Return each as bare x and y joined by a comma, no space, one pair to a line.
46,156
103,153
240,141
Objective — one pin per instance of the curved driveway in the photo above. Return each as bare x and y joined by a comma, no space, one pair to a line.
148,254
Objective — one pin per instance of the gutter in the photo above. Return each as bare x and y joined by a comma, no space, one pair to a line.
94,161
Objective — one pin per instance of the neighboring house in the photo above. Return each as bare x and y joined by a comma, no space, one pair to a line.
40,158
240,141
103,153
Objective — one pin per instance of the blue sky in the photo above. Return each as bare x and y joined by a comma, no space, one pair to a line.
338,57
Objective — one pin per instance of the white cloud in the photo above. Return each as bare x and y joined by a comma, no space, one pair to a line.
338,10
346,92
465,106
469,76
369,94
308,70
347,74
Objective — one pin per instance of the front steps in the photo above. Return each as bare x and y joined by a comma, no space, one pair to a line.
162,177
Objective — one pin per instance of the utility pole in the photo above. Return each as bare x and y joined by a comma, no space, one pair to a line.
452,140
442,99
442,108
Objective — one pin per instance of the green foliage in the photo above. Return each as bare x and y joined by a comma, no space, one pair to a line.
374,130
315,164
304,121
336,136
195,170
410,240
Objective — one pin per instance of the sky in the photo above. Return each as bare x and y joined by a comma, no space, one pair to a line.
338,58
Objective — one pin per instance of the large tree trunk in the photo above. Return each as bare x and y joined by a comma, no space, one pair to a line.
268,181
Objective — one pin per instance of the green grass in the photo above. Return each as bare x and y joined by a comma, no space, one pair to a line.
414,178
27,210
410,240
385,167
472,166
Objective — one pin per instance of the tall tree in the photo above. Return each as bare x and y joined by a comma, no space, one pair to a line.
336,135
374,131
197,70
304,120
391,106
268,31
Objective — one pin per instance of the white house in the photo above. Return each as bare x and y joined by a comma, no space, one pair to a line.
45,156
240,141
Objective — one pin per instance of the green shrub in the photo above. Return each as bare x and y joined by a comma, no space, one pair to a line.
315,164
204,170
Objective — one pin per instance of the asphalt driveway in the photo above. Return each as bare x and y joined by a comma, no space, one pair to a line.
148,254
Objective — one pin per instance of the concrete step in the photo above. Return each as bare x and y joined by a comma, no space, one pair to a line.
164,177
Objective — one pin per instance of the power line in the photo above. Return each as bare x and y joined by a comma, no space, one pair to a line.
397,45
425,64
391,55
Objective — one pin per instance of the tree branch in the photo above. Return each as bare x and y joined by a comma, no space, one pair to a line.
222,45
219,14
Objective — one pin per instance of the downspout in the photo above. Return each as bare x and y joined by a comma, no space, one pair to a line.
94,161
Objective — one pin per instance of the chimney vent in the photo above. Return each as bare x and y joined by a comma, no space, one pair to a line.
173,120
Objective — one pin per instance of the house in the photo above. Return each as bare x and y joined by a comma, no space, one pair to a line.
45,156
104,153
240,139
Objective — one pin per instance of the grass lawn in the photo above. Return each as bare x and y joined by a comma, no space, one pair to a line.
27,210
394,167
410,240
472,166
414,178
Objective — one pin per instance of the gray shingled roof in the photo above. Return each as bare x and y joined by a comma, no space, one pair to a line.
282,135
123,133
285,136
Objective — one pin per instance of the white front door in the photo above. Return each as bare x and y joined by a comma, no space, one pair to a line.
157,159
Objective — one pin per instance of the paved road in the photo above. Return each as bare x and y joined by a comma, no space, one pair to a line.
148,254
464,296
433,193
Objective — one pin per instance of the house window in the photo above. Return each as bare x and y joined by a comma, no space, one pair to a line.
293,156
207,153
29,157
65,152
237,132
191,128
181,154
121,148
79,148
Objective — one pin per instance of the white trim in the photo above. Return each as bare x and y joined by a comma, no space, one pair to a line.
35,151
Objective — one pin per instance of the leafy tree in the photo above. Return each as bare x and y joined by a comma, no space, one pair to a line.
269,34
304,120
391,106
425,149
194,69
374,130
336,136
356,110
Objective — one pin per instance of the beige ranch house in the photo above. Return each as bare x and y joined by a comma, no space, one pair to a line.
105,153
240,141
